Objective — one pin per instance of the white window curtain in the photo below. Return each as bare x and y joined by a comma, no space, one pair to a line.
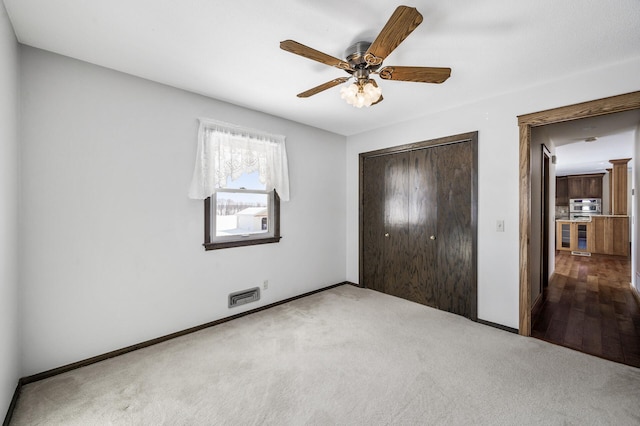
225,150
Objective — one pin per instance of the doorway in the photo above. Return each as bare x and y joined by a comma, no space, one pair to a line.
627,102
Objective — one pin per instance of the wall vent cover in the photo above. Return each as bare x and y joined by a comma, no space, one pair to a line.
245,296
581,253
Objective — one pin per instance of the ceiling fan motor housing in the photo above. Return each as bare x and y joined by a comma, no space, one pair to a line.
356,52
355,56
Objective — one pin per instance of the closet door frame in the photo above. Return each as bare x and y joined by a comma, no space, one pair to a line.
471,137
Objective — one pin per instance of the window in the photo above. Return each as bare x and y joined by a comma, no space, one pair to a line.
241,174
242,213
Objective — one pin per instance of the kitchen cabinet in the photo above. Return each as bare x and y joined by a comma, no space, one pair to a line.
610,235
585,186
562,191
573,236
602,235
592,186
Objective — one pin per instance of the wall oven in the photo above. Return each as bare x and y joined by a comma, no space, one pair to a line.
584,208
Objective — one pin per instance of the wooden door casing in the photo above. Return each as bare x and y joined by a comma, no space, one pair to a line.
599,107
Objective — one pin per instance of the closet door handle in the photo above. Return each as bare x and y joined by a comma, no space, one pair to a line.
433,237
386,234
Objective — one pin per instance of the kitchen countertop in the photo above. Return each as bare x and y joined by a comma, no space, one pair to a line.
589,219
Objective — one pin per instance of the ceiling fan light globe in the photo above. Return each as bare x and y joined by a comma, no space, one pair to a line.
350,94
372,92
361,100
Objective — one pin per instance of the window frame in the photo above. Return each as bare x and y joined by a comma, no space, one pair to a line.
241,240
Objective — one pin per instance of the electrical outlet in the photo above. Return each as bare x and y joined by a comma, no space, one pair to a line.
265,284
500,226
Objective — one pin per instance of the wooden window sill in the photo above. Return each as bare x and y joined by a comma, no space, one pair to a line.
241,243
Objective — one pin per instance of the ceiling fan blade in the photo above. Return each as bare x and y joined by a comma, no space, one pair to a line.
323,87
403,21
316,55
418,74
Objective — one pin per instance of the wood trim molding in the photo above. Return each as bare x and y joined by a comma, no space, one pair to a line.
621,161
463,137
610,105
232,244
613,104
525,230
498,326
12,405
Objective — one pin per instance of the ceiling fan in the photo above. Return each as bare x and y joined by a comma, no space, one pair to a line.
364,58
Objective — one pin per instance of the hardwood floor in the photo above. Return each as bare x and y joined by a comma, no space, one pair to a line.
590,307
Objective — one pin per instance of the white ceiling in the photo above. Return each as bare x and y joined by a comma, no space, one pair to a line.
229,49
615,137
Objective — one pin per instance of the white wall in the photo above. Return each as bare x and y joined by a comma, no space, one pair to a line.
111,251
9,330
498,184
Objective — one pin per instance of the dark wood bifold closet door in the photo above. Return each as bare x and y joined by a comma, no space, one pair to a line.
456,230
372,213
396,267
423,222
418,224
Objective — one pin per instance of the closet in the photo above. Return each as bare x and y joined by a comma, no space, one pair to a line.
418,222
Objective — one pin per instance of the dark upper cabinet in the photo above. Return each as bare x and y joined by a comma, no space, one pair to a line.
574,186
562,191
583,186
592,186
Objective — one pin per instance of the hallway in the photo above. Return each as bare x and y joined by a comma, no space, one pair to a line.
590,307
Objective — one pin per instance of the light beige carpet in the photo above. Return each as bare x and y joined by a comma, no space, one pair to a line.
345,356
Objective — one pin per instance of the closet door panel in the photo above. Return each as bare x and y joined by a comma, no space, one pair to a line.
423,213
455,261
373,218
397,274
